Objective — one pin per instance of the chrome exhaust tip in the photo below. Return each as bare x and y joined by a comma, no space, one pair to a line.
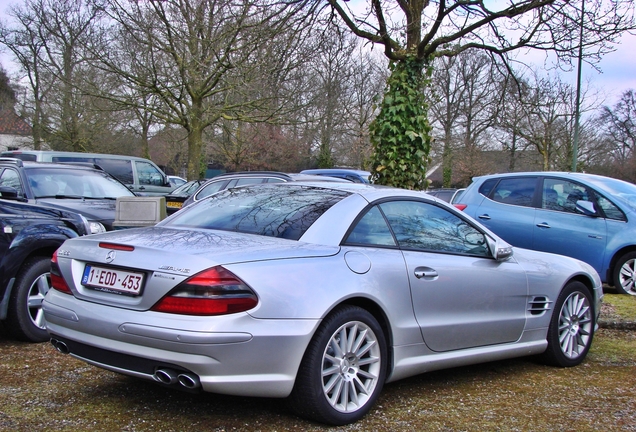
166,376
189,381
60,346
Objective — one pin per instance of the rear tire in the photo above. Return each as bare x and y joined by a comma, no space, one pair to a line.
625,274
25,318
343,370
571,328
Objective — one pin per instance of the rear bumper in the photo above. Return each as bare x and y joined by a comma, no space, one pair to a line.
233,354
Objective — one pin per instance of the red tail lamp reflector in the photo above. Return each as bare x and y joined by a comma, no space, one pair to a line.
57,281
215,291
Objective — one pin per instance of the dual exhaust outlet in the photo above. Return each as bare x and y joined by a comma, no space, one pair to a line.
170,377
166,376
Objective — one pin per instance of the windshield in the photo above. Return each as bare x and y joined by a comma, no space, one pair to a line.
613,188
74,183
268,210
186,188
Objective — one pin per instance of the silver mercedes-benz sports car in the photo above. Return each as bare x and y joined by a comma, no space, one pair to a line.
319,293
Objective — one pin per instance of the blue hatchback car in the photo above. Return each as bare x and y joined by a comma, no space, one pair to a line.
585,216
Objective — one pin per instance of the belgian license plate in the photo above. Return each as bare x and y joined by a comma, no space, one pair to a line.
108,279
173,204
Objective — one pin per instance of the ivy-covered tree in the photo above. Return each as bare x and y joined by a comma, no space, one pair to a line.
414,32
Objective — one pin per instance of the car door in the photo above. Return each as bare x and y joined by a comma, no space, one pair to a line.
561,228
150,180
508,210
462,297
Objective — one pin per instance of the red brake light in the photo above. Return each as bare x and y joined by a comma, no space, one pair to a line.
462,207
57,281
116,246
215,291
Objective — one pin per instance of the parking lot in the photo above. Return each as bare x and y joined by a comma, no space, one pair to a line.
41,389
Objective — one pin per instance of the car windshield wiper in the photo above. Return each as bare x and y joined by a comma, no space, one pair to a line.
86,197
59,196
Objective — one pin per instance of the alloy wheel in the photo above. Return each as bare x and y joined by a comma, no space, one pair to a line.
351,367
575,325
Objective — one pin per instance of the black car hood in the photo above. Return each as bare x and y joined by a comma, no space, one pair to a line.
100,210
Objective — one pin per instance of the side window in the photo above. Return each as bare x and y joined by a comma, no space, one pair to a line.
515,191
148,174
427,227
121,169
562,195
10,178
210,188
275,180
371,230
487,186
249,181
610,210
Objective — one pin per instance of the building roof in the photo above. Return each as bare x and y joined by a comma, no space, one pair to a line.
12,124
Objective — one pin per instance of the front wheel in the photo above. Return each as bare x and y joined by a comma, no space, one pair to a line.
571,328
343,370
25,315
625,274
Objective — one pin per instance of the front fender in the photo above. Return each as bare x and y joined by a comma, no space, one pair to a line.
33,240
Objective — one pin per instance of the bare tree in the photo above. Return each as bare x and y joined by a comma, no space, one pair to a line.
200,58
620,125
617,125
447,92
64,27
465,105
412,32
25,43
365,89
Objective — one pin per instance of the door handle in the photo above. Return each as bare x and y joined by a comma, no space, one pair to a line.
543,225
484,216
425,272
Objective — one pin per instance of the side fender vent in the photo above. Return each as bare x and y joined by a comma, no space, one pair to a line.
539,305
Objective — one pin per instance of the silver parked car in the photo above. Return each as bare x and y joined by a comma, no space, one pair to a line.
316,292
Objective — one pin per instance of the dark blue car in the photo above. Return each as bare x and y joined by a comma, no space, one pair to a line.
354,175
585,216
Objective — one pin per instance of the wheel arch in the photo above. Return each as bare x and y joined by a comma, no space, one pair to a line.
589,284
24,247
380,316
609,277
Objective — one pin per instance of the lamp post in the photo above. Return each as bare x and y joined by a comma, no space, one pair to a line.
577,109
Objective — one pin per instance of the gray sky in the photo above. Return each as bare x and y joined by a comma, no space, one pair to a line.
618,69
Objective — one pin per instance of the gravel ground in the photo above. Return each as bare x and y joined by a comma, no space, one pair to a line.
42,390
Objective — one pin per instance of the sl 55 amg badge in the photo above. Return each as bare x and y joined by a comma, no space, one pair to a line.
176,269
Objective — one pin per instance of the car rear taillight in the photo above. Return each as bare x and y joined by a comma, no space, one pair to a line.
215,291
57,281
462,207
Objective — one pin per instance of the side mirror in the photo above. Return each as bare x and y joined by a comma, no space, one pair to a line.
8,192
500,250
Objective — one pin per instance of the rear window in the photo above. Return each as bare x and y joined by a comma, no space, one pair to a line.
269,210
515,191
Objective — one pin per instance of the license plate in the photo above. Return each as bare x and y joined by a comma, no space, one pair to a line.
108,279
172,204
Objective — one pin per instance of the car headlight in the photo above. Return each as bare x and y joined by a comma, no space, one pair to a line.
95,227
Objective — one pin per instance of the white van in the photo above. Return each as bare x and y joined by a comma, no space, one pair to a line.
140,175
